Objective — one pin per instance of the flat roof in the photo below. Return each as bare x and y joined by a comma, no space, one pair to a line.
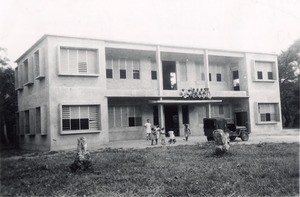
128,42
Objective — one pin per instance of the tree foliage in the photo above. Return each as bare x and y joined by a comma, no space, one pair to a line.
289,72
8,99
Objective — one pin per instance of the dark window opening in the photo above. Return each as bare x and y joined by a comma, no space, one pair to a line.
209,76
153,74
135,121
136,74
169,75
221,109
185,114
122,74
236,80
75,124
259,75
219,77
109,73
270,75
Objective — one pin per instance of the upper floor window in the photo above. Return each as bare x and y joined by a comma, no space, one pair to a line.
153,70
219,77
75,61
136,69
25,71
264,71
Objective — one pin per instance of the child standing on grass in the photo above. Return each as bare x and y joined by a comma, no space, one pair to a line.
172,137
148,129
163,136
187,132
153,136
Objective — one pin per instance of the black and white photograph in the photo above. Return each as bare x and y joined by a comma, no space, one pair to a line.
133,98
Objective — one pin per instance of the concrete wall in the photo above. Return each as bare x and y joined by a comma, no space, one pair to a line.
79,90
262,91
33,96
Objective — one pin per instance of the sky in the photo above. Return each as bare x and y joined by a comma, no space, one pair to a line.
269,26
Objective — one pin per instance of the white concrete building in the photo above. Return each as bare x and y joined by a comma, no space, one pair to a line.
106,90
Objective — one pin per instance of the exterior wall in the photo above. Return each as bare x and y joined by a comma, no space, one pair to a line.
55,89
81,90
32,96
262,91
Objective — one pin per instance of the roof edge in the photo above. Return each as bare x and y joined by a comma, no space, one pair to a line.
137,43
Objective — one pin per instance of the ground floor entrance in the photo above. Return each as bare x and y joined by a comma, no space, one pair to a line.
172,119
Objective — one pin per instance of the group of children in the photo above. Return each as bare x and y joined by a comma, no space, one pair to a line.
154,134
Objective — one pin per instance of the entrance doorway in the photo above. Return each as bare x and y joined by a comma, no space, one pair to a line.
169,75
171,119
241,119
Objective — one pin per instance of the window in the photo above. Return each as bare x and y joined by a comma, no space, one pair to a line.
169,75
270,75
268,112
124,116
136,69
219,77
153,70
122,74
80,117
136,74
153,74
259,75
38,120
236,80
78,61
25,71
265,71
109,73
27,122
209,76
36,61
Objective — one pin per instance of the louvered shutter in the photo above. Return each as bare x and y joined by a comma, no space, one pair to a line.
38,120
84,117
125,116
66,118
118,115
92,61
73,65
111,117
82,61
36,63
44,128
94,117
32,121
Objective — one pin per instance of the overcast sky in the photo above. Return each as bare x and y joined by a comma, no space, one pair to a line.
248,25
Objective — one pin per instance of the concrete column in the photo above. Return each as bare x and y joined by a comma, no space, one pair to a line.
208,110
161,116
159,72
206,68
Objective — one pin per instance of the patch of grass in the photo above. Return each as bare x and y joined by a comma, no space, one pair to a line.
246,170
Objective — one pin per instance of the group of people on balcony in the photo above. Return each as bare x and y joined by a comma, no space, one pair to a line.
196,93
156,133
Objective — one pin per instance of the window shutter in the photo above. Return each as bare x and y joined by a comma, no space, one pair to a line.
92,61
66,118
116,72
73,65
30,70
21,123
153,65
109,63
118,115
32,121
38,120
129,68
64,62
82,61
93,114
136,65
44,120
111,117
36,63
124,116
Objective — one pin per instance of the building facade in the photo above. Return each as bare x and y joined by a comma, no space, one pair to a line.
104,90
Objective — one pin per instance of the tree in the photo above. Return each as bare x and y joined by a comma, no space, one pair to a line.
289,72
8,99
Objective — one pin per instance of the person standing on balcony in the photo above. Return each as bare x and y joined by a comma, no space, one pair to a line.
147,127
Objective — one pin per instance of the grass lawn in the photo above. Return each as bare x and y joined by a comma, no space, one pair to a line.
247,170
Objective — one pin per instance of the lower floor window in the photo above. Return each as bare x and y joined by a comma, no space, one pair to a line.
80,117
268,112
124,116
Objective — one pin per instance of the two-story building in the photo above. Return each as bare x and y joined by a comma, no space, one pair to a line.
105,90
